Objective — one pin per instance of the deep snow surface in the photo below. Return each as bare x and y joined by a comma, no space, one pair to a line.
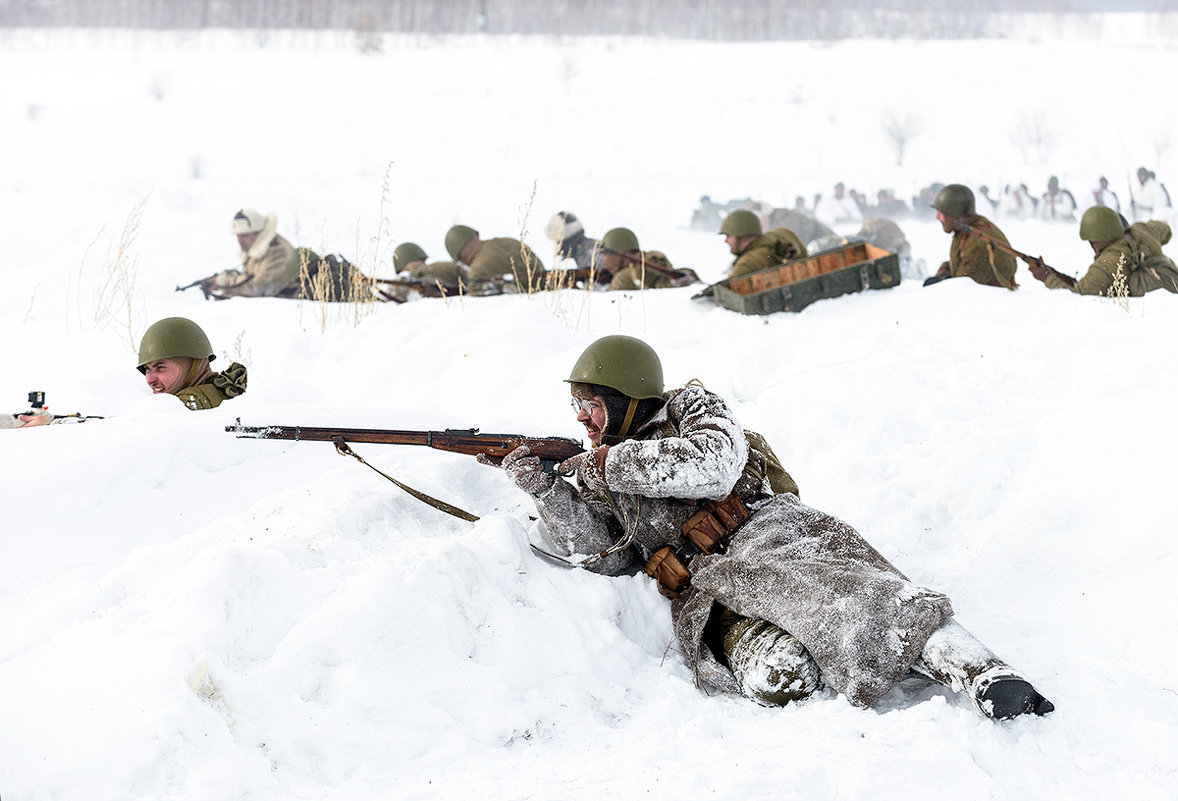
188,615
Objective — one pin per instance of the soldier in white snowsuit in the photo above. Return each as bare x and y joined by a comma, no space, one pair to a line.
838,208
1150,200
773,607
265,270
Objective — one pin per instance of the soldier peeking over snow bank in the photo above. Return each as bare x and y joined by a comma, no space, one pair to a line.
174,357
770,598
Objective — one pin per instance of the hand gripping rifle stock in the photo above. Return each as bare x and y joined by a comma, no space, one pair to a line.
550,450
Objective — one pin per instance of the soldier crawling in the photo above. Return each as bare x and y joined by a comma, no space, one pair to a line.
771,598
1134,252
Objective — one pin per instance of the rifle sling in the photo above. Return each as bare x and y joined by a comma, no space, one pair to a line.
343,449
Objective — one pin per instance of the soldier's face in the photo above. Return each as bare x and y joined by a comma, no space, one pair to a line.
246,241
163,375
591,414
736,244
610,260
469,250
947,222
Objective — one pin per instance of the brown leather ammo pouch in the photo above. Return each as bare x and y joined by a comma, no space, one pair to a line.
713,524
671,574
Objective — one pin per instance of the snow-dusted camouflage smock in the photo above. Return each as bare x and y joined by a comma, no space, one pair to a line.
862,621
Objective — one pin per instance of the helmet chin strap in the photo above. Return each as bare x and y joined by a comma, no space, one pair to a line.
628,420
623,429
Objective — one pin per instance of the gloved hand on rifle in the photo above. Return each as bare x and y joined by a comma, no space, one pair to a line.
589,467
524,470
1039,269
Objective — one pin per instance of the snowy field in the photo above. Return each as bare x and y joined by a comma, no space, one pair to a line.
187,615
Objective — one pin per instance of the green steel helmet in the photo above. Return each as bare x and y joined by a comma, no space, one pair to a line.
619,240
955,200
457,237
298,258
1101,224
407,253
623,363
173,337
741,222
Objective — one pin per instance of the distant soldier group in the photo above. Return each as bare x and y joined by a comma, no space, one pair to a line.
758,236
1128,256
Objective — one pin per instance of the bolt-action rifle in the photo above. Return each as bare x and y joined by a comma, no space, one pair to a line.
1034,262
678,277
566,278
427,289
550,450
492,447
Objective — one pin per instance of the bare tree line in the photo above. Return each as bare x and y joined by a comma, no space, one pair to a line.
695,19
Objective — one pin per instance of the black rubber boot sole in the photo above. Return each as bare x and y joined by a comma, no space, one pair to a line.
1008,697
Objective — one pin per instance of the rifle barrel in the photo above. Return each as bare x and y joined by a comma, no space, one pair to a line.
462,440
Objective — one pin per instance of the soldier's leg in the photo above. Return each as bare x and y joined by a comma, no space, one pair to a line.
957,659
771,666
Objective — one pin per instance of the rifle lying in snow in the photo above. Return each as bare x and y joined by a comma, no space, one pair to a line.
469,441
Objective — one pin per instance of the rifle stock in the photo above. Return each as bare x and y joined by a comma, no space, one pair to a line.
469,441
998,243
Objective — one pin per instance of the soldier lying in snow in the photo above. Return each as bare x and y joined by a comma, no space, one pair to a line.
771,598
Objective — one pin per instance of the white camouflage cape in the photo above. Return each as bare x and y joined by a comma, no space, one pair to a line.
809,573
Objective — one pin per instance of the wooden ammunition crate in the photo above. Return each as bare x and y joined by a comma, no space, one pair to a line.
796,284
